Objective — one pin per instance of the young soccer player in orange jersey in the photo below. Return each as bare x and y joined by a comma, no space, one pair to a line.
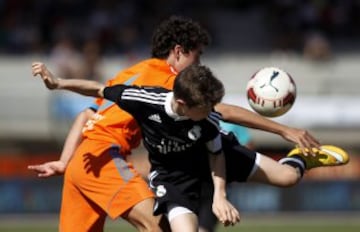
99,181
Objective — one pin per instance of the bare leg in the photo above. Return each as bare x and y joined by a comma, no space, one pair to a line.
141,217
274,173
187,222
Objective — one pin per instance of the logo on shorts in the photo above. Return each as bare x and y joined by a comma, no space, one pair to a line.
160,191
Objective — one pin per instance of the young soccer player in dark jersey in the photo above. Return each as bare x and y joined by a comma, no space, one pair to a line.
175,126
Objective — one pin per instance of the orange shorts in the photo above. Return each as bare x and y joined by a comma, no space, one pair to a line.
99,182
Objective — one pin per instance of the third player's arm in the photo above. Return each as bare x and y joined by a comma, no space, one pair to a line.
242,116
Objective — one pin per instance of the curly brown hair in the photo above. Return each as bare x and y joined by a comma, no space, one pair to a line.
178,30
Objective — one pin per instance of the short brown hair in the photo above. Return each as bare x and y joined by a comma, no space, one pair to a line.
198,87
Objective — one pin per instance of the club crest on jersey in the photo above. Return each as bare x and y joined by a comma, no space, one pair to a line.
160,191
195,133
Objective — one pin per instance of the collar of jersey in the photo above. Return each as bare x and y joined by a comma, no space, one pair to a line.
170,111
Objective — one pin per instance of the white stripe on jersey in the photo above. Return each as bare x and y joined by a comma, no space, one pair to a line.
214,118
144,96
216,115
143,92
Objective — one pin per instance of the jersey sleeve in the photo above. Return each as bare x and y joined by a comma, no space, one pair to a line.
214,145
113,93
119,95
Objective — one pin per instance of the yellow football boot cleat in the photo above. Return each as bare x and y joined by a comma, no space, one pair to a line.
327,155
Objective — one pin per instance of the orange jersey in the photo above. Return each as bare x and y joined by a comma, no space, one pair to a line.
99,181
114,125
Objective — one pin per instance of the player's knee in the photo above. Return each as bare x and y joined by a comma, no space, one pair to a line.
288,177
141,217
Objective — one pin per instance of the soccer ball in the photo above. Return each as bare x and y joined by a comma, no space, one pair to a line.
271,92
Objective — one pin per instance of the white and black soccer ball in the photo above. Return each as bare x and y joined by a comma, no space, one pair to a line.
271,92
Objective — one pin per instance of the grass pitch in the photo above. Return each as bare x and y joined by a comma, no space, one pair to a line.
348,222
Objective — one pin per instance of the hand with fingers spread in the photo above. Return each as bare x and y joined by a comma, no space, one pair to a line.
48,169
225,211
50,81
303,139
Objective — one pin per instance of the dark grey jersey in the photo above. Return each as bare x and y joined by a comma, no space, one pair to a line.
176,146
172,141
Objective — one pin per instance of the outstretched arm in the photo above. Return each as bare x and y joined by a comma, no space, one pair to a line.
242,116
57,167
84,87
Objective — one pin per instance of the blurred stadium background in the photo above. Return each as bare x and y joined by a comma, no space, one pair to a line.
317,42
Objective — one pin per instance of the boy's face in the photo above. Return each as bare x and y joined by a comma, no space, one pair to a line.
186,59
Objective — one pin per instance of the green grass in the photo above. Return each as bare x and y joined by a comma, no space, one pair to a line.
247,228
254,223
